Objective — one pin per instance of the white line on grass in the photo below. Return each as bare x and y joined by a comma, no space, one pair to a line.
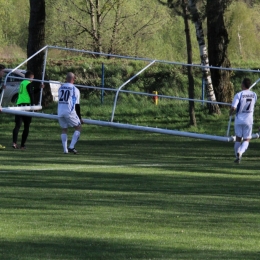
87,167
103,166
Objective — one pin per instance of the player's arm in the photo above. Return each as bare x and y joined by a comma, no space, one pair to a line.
234,104
232,110
30,91
77,105
77,108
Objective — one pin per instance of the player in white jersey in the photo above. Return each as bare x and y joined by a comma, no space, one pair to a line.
243,103
69,112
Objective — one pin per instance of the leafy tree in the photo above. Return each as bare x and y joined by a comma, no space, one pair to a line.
114,26
251,2
242,25
9,27
22,14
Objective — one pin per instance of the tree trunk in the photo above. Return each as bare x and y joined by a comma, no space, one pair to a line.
36,41
96,22
115,28
218,43
213,108
190,68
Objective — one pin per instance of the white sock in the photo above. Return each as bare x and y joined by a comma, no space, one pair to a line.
74,140
236,146
243,147
64,139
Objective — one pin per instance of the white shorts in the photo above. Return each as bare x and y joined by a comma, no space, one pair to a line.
243,130
70,120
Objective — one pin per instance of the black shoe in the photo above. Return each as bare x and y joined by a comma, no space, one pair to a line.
72,150
15,146
238,158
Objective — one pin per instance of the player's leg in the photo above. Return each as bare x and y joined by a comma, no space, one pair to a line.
247,133
18,122
238,132
64,135
26,121
64,140
75,136
75,122
244,146
237,145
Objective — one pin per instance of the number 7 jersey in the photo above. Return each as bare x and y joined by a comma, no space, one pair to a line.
244,102
68,97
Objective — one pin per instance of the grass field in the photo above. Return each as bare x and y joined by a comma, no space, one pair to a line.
126,195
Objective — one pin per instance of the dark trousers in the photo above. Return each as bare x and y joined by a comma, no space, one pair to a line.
26,120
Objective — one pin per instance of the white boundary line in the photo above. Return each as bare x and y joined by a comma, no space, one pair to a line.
89,167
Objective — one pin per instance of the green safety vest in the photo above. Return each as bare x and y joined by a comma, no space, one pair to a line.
23,96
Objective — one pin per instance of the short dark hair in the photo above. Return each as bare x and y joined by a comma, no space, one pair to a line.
28,74
2,66
246,82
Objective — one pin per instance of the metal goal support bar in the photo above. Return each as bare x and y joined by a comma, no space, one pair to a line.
131,127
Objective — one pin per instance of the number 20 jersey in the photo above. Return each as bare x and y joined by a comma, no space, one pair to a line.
68,97
244,102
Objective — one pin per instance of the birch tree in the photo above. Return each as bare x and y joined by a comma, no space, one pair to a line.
213,108
217,47
197,20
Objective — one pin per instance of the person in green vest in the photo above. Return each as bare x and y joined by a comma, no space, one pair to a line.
25,98
2,67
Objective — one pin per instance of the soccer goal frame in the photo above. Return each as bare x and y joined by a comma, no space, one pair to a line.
120,89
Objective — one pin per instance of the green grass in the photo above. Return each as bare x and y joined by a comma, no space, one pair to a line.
126,195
